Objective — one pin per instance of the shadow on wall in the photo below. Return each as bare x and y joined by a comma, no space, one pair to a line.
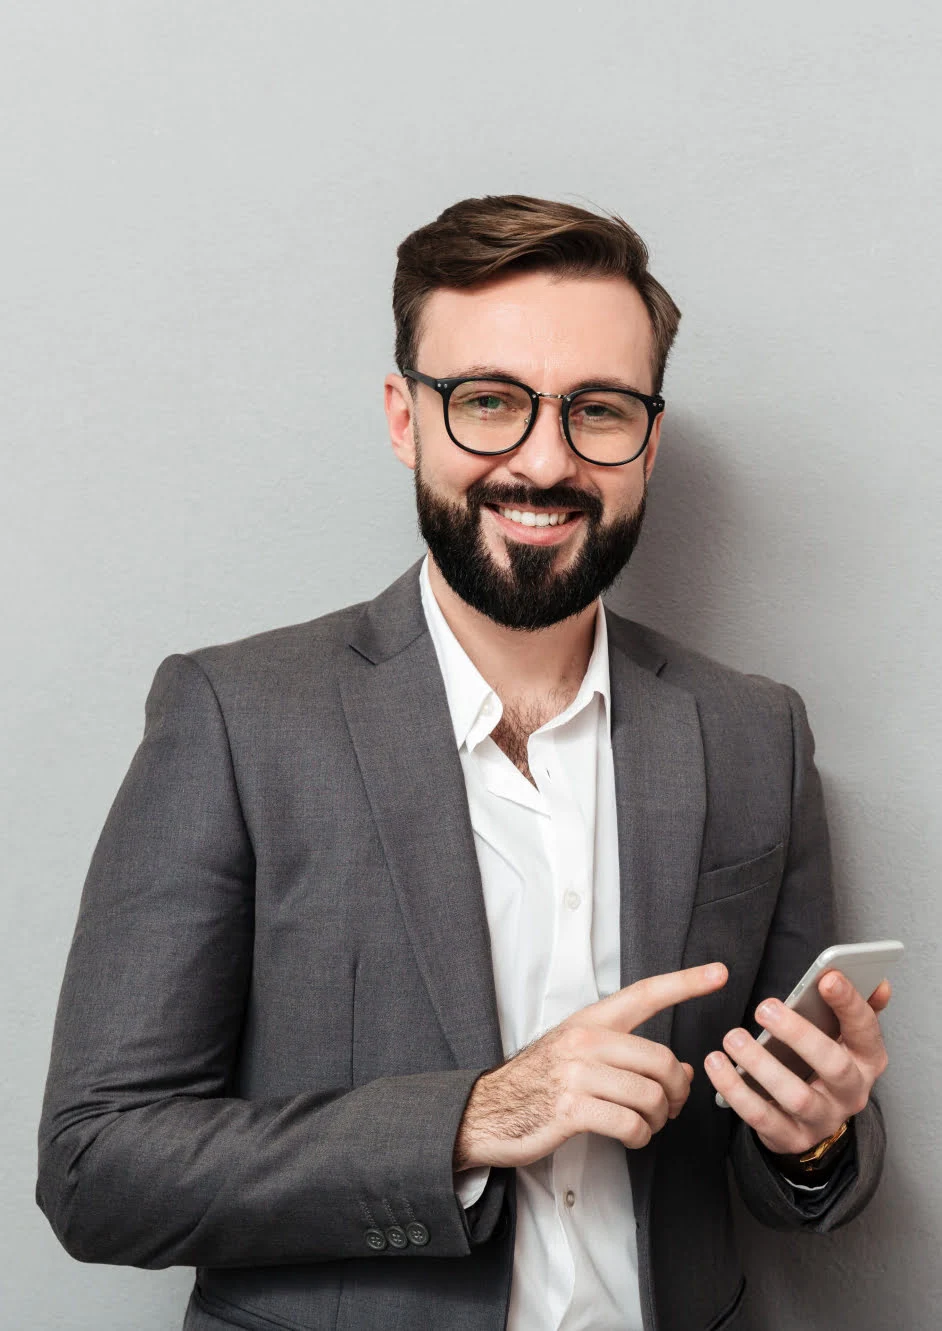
797,1281
849,1277
703,572
685,576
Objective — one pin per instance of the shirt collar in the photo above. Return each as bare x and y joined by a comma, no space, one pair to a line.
474,706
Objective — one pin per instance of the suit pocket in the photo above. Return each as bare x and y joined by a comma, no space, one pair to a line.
732,879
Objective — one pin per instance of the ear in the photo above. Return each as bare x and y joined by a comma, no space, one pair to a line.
399,409
650,453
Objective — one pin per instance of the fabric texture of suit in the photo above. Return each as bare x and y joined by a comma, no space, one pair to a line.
279,992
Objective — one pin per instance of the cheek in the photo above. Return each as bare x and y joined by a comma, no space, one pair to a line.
622,494
618,501
451,472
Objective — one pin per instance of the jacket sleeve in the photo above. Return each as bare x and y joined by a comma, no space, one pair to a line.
146,1158
802,926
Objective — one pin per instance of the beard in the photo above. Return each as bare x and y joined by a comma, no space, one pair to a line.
529,594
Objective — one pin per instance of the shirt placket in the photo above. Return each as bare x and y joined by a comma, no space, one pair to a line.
571,981
571,977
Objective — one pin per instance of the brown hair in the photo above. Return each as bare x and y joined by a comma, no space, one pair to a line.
476,240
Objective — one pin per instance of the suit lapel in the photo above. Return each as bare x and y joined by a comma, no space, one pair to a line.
397,711
660,791
661,796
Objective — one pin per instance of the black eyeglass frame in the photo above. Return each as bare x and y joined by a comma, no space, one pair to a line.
445,387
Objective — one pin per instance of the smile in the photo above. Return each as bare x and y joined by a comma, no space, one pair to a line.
530,518
529,526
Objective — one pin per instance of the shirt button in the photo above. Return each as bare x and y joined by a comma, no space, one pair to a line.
397,1237
376,1239
570,1198
573,900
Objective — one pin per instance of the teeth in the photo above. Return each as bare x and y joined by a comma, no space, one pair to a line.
528,518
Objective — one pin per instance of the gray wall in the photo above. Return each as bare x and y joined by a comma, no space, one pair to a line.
201,208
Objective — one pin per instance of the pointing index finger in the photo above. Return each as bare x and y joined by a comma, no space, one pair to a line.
637,1002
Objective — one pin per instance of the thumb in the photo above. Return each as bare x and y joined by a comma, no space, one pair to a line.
881,996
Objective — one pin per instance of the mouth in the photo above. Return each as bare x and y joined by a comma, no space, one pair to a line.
542,526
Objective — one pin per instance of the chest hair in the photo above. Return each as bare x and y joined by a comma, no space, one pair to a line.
519,720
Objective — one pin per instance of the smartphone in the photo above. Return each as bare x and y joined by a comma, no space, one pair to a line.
864,964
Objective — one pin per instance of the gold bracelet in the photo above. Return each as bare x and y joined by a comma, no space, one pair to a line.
816,1152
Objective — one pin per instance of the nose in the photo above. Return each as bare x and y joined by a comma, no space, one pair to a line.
545,458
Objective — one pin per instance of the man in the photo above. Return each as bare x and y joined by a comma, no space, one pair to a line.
413,934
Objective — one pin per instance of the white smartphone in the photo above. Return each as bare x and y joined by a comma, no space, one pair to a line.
864,964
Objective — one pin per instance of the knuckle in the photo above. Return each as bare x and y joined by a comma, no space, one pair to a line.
764,1120
846,1069
803,1102
661,1115
652,1097
574,1041
569,1106
666,1061
576,1074
639,1132
642,986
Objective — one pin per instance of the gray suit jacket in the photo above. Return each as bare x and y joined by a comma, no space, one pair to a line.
279,992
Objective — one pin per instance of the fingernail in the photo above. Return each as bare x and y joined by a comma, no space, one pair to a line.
714,973
714,1062
767,1011
736,1038
835,986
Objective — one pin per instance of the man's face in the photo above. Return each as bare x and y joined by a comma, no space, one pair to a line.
554,335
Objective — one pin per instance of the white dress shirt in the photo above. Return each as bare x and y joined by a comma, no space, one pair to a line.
548,856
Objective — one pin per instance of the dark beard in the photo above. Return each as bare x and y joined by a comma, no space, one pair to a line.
529,595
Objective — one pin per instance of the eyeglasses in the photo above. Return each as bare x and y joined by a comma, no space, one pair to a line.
605,426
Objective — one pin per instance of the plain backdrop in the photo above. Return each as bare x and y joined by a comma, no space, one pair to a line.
201,205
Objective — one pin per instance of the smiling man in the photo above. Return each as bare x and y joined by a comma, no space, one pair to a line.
410,947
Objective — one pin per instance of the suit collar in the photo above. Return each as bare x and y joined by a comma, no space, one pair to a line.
394,619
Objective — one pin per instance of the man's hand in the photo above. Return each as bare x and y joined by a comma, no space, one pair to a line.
588,1074
803,1113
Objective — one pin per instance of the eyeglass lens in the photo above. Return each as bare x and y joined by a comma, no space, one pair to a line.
489,417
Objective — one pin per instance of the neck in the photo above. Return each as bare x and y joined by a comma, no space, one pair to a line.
542,663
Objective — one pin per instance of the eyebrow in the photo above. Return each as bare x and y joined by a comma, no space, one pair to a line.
492,371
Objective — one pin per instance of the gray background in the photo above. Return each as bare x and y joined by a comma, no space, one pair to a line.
201,208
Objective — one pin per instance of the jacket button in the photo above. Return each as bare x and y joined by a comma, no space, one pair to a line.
418,1234
397,1237
376,1239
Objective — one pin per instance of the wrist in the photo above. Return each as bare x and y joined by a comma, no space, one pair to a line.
465,1154
819,1162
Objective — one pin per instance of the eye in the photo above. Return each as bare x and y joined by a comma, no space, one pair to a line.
607,411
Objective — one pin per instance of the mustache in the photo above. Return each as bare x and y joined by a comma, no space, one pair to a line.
483,493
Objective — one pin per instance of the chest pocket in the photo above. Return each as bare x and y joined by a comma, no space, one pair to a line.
733,879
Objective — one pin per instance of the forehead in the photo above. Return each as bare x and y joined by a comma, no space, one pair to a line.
546,330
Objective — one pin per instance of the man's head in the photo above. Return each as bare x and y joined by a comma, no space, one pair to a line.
558,299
